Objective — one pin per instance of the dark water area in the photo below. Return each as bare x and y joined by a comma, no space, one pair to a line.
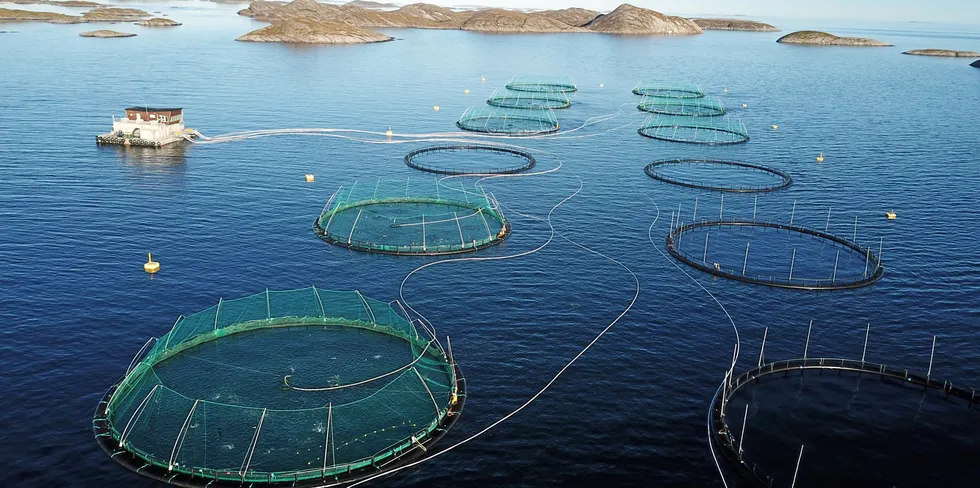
231,219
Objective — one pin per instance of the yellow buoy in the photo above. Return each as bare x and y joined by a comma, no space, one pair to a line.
436,108
820,158
601,85
466,92
726,90
309,178
745,105
388,132
891,215
151,266
483,79
774,126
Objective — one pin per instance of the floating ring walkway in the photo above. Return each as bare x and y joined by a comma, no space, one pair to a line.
748,470
528,159
787,181
871,275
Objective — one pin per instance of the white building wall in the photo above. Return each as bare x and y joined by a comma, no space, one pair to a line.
152,131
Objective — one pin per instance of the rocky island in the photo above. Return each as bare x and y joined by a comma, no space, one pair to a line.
948,53
817,38
106,14
158,22
626,19
106,34
57,3
310,31
734,25
975,64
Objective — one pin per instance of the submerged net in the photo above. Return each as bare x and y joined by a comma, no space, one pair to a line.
282,386
415,216
695,130
542,84
470,159
668,90
702,107
529,100
509,121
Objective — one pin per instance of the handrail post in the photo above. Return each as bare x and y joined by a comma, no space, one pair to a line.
807,346
741,435
793,214
931,355
867,332
762,351
797,470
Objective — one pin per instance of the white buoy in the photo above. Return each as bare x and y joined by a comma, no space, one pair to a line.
466,92
726,90
774,126
891,215
482,79
309,178
388,132
745,105
820,158
151,266
601,85
436,108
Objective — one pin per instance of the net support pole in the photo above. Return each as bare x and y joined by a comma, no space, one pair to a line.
136,416
762,351
881,242
833,278
704,257
792,263
678,222
867,262
931,355
376,186
755,206
867,332
251,449
793,213
423,232
741,436
350,236
367,307
323,311
806,347
179,442
485,224
326,440
827,228
671,221
460,227
695,217
140,353
216,313
855,238
745,262
797,470
434,403
721,208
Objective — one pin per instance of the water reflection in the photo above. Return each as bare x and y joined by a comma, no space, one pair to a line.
167,161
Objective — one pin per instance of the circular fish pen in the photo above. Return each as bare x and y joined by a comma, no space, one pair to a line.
682,107
414,217
695,173
291,388
778,264
667,90
529,100
695,130
721,419
469,159
541,85
508,121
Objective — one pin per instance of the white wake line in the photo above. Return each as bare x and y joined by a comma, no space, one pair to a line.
738,341
560,372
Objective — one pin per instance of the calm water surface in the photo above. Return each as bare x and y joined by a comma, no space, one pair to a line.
228,220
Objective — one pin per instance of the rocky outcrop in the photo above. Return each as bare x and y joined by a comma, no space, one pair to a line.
628,19
106,34
575,17
500,20
158,22
57,3
734,25
975,64
948,53
259,9
817,38
372,5
427,16
112,14
310,31
14,15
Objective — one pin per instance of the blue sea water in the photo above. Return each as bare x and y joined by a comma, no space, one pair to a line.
232,219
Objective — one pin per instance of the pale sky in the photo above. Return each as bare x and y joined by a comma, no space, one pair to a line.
954,11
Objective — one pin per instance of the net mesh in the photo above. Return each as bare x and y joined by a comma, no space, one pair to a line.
531,100
417,216
510,121
695,130
668,90
702,107
282,386
543,84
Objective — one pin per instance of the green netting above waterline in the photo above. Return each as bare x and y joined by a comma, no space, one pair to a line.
668,90
529,100
509,121
281,386
414,216
695,130
699,107
542,84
